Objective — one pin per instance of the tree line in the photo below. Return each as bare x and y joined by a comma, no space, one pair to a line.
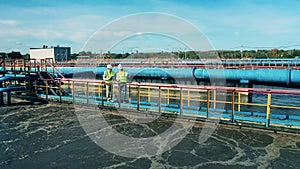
223,54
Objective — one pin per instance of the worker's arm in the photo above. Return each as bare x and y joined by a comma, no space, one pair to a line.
104,76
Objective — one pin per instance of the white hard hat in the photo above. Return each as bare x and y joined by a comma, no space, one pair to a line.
109,66
120,66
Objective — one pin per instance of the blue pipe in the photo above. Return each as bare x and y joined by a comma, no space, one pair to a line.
8,90
13,88
147,72
295,76
159,72
285,77
10,78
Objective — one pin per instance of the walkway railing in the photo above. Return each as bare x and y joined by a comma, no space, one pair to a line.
269,107
199,63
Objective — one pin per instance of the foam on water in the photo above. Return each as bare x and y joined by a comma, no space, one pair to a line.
50,136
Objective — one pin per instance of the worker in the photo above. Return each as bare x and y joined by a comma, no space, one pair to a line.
122,78
108,77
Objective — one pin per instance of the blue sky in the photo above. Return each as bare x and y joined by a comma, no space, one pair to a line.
227,24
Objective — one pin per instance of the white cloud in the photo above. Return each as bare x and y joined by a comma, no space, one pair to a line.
32,33
114,34
8,22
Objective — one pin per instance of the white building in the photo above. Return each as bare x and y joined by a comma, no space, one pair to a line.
57,53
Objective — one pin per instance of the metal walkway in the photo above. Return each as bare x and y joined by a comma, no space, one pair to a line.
225,104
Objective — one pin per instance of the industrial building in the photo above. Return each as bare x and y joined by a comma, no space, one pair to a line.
57,53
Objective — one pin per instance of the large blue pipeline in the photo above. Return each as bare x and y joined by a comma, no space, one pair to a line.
228,62
285,77
141,72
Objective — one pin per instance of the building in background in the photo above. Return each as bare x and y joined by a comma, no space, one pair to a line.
57,53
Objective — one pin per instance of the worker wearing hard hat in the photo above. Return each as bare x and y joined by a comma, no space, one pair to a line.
108,77
122,79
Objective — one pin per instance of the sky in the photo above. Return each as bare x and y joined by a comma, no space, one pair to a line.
162,25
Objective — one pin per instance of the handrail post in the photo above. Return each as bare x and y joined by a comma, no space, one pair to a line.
73,91
189,97
60,91
102,94
14,68
207,102
35,86
87,93
45,65
215,99
99,90
149,93
239,101
129,91
138,98
40,65
8,98
52,65
119,95
181,101
47,90
23,66
232,107
159,99
168,95
268,110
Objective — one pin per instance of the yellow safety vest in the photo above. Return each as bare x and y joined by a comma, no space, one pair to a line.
109,74
122,76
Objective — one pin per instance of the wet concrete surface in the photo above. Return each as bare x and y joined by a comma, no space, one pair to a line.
50,136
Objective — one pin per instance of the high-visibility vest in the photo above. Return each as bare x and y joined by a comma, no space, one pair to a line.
109,74
122,76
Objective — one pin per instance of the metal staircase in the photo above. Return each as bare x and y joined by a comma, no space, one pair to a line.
36,77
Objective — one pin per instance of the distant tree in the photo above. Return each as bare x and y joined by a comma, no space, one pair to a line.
181,55
274,51
126,55
85,53
296,53
192,55
74,56
118,56
15,55
3,55
26,56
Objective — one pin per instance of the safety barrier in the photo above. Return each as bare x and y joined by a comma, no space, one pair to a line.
228,104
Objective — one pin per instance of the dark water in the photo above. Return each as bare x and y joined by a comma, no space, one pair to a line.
50,136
